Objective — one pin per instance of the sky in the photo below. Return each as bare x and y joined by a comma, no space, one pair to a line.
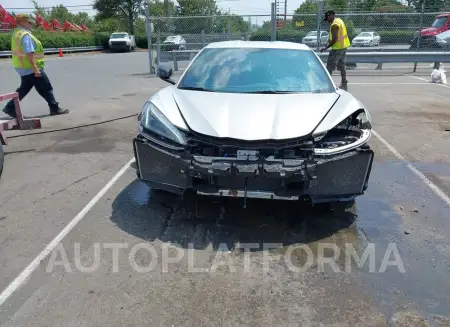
240,7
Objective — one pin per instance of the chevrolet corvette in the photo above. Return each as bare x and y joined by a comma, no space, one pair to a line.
255,120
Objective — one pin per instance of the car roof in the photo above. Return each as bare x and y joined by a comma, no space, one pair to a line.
259,44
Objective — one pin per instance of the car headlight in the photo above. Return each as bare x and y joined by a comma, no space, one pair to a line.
350,133
154,120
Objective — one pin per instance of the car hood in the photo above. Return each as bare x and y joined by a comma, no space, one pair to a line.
365,38
252,116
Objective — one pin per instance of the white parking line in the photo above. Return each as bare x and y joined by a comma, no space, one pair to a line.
424,79
422,177
25,274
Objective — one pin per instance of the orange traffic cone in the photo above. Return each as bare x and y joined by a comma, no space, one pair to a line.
61,53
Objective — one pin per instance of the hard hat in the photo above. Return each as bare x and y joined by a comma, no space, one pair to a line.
20,18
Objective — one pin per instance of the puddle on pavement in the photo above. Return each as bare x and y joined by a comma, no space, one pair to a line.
93,139
376,221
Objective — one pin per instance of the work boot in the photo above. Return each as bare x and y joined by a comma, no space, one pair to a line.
10,112
59,111
343,86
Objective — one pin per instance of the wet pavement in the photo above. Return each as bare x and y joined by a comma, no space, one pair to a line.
261,266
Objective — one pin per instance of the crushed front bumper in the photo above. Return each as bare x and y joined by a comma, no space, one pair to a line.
326,178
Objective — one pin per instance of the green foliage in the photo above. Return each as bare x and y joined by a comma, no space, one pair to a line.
129,10
61,14
195,8
396,37
61,39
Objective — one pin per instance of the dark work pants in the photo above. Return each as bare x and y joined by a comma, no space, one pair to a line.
43,87
336,59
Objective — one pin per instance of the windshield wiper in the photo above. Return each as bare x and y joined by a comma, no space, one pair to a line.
195,88
272,92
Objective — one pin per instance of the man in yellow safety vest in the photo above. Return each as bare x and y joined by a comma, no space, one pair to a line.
338,42
28,60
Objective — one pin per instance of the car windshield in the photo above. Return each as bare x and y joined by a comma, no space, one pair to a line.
439,22
365,34
257,70
314,33
118,36
171,38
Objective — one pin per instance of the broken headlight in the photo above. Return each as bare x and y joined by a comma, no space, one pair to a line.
350,133
153,120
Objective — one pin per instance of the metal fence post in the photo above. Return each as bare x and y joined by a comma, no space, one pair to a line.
175,62
149,35
203,39
228,28
418,36
158,50
319,21
273,17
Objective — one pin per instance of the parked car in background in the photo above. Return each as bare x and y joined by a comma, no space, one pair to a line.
439,41
122,41
441,24
443,40
174,42
310,39
366,39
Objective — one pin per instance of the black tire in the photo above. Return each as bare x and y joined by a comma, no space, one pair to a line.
2,158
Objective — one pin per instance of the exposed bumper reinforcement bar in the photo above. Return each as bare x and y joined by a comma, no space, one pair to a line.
341,176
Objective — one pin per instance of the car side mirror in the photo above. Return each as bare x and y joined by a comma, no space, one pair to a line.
165,72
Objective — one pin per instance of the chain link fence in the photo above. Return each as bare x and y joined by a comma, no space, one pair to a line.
179,38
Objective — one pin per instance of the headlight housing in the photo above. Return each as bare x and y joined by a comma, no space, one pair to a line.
155,122
350,133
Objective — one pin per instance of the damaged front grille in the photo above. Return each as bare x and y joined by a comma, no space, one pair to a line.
201,145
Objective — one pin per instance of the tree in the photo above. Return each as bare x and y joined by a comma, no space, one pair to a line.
194,25
40,10
230,23
128,10
163,10
430,5
61,14
305,16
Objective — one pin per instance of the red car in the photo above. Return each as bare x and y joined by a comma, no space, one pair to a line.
428,35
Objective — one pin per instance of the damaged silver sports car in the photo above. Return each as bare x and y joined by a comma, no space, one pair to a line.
258,120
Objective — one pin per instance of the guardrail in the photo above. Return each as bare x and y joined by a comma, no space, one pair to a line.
7,54
374,57
393,57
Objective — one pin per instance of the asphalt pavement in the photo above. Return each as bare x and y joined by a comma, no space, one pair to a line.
68,195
